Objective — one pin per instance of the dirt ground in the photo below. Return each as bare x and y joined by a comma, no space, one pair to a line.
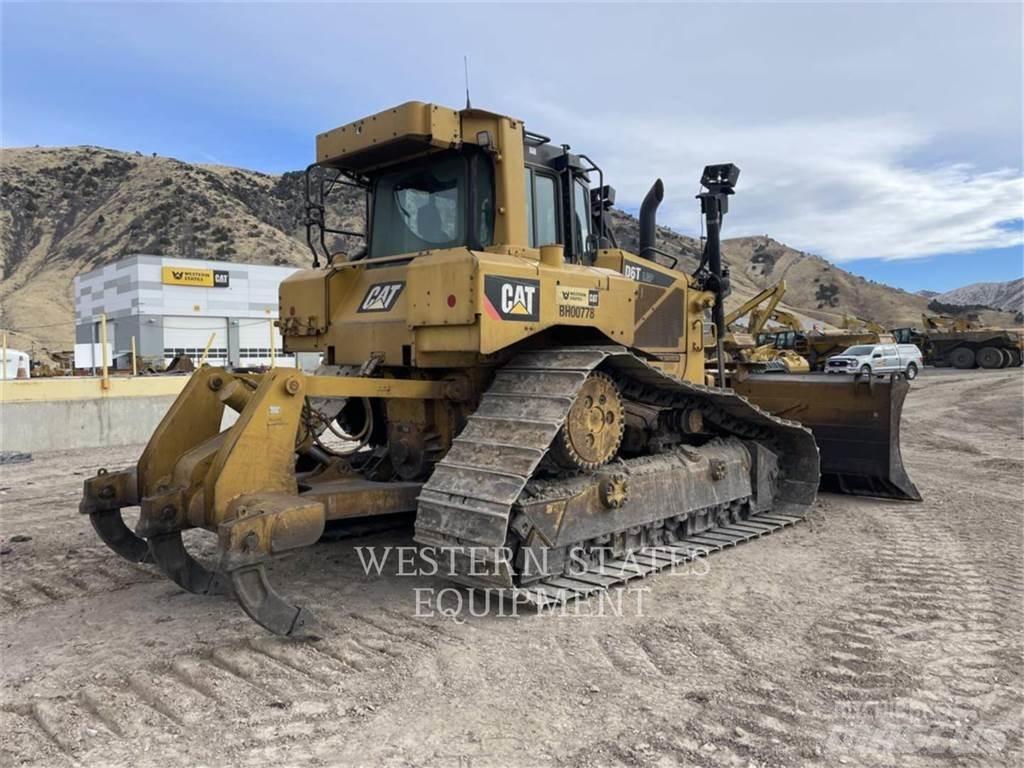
876,633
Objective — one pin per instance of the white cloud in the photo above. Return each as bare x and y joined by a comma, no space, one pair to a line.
843,188
863,130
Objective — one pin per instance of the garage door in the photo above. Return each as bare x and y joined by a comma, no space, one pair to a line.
185,335
254,344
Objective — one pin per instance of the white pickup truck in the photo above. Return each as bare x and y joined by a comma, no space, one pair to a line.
868,359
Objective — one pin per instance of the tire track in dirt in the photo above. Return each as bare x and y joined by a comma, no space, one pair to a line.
264,686
918,667
742,714
752,725
41,582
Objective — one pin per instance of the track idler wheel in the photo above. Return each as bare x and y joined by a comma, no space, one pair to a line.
179,566
264,605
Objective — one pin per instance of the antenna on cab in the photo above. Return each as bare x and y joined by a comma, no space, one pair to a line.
465,67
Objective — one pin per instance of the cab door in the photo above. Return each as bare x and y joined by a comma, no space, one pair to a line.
892,357
878,362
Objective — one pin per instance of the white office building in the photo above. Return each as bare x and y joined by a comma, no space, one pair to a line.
175,306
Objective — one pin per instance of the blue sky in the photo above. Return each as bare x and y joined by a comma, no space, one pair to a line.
885,137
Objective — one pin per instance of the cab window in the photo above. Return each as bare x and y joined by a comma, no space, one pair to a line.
581,211
443,201
483,191
530,234
420,208
542,210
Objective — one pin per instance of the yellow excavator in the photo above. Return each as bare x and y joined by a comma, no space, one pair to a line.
743,346
852,323
494,362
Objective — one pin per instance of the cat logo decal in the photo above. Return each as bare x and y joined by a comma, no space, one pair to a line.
381,297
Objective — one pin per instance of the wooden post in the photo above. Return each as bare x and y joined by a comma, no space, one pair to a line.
206,351
273,345
135,366
105,382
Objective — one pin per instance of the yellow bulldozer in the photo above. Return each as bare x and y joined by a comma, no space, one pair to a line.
495,363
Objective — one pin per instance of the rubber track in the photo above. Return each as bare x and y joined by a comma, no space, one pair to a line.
468,500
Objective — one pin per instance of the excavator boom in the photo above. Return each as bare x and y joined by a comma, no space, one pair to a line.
759,315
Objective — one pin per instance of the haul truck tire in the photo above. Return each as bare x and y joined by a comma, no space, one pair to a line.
990,357
962,358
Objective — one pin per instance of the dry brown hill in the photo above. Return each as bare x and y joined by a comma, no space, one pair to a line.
822,289
1008,295
816,290
66,210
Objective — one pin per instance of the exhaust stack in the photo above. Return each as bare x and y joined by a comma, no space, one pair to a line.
648,209
720,182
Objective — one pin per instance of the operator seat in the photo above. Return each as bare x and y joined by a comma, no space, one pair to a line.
429,226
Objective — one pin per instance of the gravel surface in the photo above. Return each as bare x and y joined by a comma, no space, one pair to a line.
876,633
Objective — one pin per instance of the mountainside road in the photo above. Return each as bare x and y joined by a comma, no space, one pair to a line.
876,633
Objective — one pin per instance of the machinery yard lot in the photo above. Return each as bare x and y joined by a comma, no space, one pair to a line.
875,633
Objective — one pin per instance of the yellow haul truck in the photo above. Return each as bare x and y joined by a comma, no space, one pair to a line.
964,342
495,363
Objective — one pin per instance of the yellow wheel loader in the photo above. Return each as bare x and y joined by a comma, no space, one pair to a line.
493,362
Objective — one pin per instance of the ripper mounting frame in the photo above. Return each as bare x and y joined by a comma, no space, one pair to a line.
241,483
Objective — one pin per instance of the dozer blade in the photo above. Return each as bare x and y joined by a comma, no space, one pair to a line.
856,424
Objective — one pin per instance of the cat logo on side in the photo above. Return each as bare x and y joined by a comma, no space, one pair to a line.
381,297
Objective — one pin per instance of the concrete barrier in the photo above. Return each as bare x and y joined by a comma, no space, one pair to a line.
82,412
55,425
58,414
89,388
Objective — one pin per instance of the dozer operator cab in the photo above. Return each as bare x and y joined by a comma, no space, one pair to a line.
789,340
480,238
422,196
908,336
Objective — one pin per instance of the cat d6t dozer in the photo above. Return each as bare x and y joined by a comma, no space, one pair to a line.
493,362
